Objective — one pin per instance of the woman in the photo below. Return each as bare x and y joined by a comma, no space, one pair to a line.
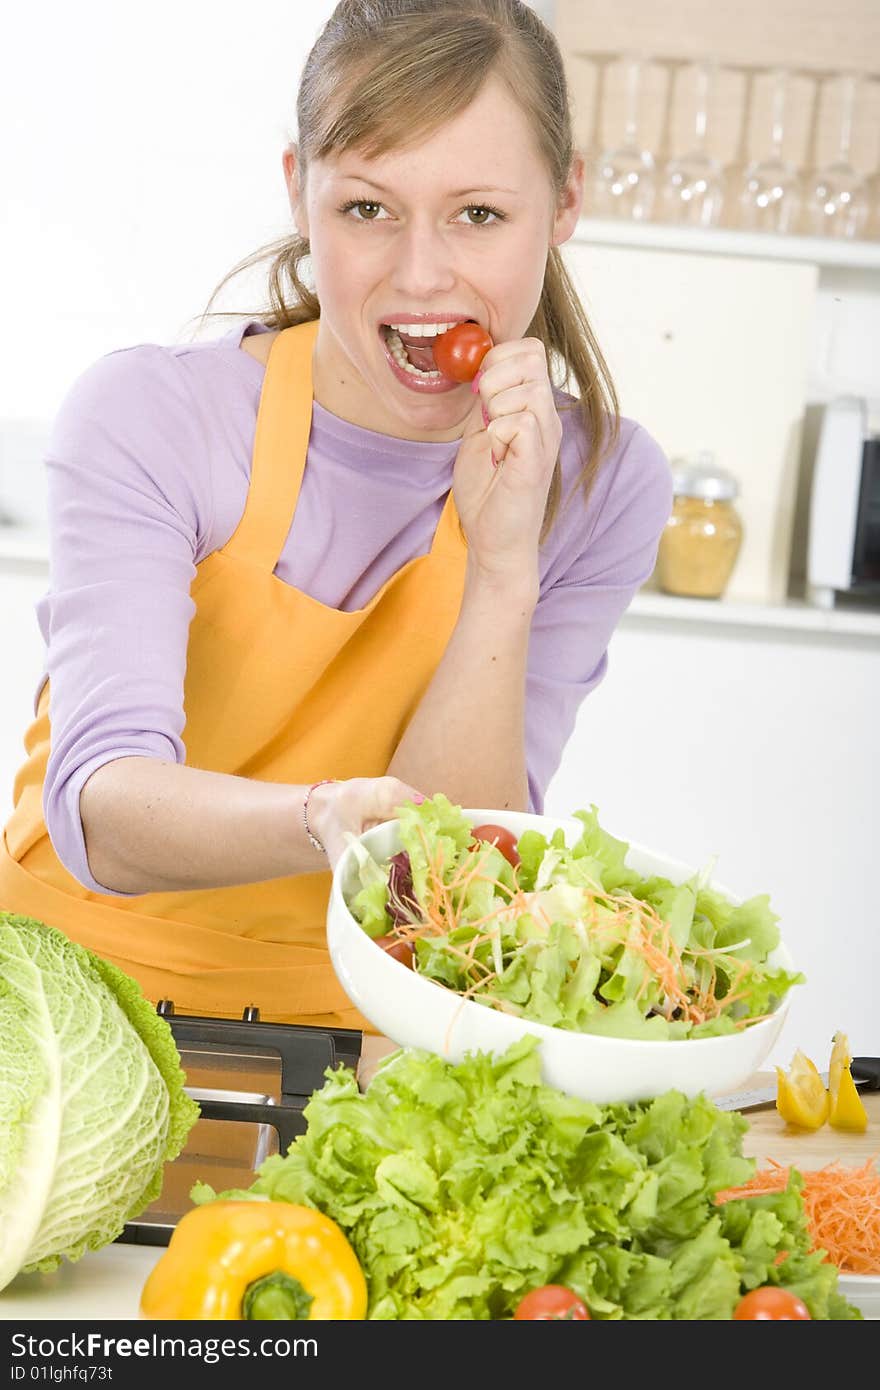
296,573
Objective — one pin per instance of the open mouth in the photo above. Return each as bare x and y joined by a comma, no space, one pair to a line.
412,346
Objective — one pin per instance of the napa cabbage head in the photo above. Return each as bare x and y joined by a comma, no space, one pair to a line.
92,1103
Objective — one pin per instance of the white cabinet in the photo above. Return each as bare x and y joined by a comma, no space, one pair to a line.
22,584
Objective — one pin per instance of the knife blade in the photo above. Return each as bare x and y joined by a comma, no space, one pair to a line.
865,1073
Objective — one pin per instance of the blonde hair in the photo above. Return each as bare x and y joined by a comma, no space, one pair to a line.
388,73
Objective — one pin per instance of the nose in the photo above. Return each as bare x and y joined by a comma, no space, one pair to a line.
422,262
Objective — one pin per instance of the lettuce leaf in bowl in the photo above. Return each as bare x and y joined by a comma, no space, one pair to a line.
571,936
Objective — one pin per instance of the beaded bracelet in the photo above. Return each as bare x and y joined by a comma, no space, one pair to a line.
313,839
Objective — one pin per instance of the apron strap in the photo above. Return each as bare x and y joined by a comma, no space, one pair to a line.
284,422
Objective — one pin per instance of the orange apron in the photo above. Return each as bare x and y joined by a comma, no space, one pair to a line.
279,688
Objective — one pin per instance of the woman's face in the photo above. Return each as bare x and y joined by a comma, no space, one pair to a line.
457,227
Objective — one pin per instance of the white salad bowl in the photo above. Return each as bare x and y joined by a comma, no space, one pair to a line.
414,1011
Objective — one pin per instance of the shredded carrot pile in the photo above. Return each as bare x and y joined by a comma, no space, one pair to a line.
842,1206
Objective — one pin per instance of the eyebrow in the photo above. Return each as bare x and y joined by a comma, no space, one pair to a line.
455,193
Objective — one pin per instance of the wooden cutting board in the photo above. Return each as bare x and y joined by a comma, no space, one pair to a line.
769,1137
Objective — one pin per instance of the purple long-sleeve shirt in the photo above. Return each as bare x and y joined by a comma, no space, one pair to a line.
148,469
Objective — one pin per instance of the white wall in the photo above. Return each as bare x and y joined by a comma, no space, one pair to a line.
142,160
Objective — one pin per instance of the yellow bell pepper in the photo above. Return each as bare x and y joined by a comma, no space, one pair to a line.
801,1098
255,1260
846,1110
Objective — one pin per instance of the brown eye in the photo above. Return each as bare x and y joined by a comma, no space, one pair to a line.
478,215
368,211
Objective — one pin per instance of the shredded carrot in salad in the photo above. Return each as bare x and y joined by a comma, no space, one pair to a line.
688,978
842,1206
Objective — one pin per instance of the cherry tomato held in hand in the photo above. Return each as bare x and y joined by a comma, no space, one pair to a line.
459,352
771,1304
552,1303
497,835
393,946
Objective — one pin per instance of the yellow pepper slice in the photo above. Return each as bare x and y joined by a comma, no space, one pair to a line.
801,1098
256,1261
846,1110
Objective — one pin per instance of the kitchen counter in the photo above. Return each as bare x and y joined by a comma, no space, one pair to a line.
106,1284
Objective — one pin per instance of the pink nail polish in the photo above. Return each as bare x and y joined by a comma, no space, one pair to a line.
475,384
418,798
485,418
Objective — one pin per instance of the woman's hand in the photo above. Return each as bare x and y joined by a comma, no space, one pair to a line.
355,805
501,505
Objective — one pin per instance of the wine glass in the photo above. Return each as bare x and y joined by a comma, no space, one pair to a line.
733,174
600,62
692,191
768,196
871,190
624,185
664,150
835,202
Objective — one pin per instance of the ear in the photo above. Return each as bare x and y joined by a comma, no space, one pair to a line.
568,207
295,189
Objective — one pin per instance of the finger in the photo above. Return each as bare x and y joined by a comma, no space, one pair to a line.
514,347
475,425
387,794
475,422
540,403
521,435
527,362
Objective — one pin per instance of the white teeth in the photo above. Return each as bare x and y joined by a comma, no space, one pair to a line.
396,348
421,330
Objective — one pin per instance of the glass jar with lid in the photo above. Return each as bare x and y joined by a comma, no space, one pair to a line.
701,539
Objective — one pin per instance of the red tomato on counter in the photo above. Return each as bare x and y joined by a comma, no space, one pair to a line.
552,1303
497,835
459,352
393,946
771,1304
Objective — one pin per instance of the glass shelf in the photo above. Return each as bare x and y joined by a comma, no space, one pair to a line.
712,241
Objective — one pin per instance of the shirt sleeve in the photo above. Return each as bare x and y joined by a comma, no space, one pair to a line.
128,494
577,614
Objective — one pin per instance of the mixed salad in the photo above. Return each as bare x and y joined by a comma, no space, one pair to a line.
567,935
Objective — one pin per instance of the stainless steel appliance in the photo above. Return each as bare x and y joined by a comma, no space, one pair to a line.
252,1081
843,549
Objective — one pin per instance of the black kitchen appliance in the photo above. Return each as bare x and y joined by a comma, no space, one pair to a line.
252,1081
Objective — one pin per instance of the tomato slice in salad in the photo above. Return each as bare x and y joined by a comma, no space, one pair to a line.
505,840
396,948
771,1304
552,1303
